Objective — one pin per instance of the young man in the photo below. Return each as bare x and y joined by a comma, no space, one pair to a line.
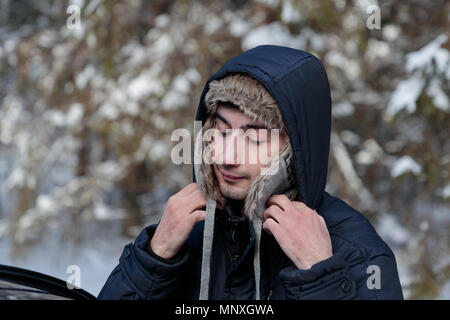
277,235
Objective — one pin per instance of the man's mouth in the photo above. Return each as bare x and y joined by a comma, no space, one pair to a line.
230,177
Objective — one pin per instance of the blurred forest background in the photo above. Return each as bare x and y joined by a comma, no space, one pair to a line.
86,117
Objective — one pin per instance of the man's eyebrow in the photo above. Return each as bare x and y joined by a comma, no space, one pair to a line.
221,118
243,127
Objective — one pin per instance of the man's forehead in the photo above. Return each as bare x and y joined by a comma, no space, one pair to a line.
227,110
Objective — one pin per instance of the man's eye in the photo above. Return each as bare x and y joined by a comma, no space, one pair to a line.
255,141
255,137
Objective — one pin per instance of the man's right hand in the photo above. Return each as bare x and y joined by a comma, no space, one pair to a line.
182,212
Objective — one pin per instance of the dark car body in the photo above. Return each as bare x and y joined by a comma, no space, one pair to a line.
21,284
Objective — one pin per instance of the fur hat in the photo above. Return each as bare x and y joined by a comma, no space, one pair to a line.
249,96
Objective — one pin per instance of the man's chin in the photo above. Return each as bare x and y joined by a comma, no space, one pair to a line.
233,193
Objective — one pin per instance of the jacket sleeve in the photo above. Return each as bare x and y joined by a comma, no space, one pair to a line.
141,274
336,279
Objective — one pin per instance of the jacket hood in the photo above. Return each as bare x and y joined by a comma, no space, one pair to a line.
298,82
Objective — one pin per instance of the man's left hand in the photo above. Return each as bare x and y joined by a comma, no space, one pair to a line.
300,231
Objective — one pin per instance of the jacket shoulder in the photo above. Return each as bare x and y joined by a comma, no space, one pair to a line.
352,229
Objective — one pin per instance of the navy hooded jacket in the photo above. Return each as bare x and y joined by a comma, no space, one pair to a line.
297,81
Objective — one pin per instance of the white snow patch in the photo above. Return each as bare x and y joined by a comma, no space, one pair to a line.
371,152
440,99
391,32
351,22
391,230
4,228
274,34
173,100
270,3
56,117
445,291
343,109
238,27
405,96
350,138
16,178
108,170
131,108
103,212
350,67
83,78
144,85
289,13
339,4
10,114
377,49
71,118
212,23
364,4
162,46
118,96
316,41
158,151
181,84
46,203
403,165
74,115
177,96
193,75
162,21
423,58
108,111
445,193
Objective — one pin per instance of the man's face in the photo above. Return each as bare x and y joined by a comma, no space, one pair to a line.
236,143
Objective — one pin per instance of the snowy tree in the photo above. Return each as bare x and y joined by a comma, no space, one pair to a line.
86,116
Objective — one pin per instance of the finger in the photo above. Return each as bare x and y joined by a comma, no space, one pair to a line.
198,215
300,206
273,212
272,227
322,220
323,223
280,200
187,190
195,193
194,202
187,204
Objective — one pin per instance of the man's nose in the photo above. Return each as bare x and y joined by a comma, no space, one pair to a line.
231,152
